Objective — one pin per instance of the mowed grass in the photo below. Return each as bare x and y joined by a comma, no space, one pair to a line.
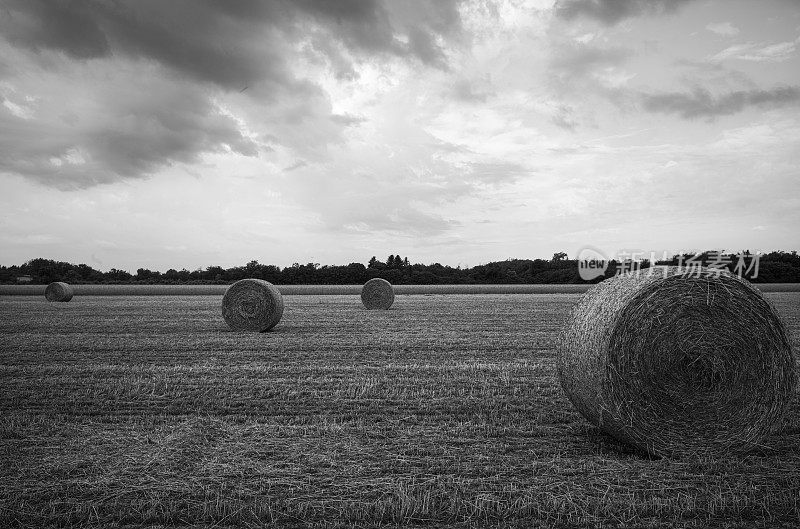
445,410
133,289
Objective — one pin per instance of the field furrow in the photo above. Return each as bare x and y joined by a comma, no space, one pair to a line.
444,410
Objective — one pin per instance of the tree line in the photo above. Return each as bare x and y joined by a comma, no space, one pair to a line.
774,267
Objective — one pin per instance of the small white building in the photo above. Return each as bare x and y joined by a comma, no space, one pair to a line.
24,279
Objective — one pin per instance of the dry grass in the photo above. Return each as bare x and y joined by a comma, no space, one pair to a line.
324,290
113,414
377,294
252,305
678,363
58,291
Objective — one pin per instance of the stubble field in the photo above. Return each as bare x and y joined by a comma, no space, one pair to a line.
445,410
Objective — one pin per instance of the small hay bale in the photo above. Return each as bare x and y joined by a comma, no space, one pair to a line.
377,293
252,305
678,363
58,291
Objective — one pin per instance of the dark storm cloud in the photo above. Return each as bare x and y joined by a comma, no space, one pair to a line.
610,12
39,24
146,127
423,45
700,103
207,41
213,40
177,125
193,50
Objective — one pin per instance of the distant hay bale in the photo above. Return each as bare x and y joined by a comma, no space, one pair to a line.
58,291
252,305
377,294
678,363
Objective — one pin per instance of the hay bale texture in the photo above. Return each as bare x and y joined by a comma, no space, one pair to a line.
58,291
678,363
377,293
252,305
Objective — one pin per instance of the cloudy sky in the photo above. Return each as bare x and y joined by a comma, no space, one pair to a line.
186,134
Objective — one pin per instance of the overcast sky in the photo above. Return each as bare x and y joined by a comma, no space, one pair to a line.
186,134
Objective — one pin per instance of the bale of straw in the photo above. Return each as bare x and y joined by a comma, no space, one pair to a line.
252,305
58,291
377,293
678,362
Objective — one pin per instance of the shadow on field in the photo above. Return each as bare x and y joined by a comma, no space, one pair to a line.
607,445
782,443
273,331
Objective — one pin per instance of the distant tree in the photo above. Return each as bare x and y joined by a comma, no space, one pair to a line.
143,274
775,266
44,271
215,273
8,275
253,270
354,273
87,273
117,275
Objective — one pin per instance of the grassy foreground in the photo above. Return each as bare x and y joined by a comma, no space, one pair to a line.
442,411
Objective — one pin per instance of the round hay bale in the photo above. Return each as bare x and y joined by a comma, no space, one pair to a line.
252,305
679,362
58,291
377,293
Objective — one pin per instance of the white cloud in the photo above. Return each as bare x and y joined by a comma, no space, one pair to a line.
613,77
20,111
758,52
726,29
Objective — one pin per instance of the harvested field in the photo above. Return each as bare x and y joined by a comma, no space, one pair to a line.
325,290
289,290
444,410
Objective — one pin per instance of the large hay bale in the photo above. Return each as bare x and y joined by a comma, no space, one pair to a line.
377,293
678,363
58,291
252,305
